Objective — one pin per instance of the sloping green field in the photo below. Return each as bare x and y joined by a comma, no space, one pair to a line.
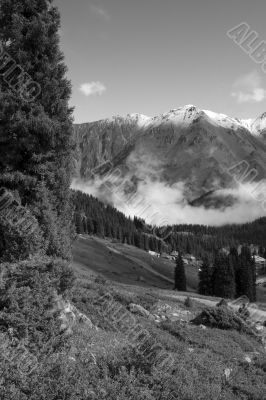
126,264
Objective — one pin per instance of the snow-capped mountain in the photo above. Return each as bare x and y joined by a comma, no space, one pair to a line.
185,145
184,116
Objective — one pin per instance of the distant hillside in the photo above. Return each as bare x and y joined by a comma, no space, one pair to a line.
94,217
144,344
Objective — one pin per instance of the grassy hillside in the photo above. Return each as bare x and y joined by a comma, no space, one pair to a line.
154,352
126,264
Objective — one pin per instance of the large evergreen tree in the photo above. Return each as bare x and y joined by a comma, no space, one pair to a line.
36,126
247,275
180,274
205,278
223,277
235,264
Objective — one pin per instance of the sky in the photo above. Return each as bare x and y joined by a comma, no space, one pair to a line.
150,56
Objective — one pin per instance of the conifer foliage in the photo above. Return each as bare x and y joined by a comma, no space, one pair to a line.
180,274
247,275
223,277
230,276
205,278
36,132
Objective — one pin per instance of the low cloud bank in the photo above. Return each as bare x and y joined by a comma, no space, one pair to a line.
160,204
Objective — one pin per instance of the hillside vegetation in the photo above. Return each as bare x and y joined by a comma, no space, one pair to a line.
151,350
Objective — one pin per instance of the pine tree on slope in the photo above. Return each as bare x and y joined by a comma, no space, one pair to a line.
180,275
247,275
205,278
235,264
223,277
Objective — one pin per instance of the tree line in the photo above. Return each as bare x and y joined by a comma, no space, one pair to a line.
91,216
229,276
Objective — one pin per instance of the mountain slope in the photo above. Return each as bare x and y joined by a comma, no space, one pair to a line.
187,149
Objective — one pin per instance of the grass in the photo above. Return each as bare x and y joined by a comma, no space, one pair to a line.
200,356
126,264
116,362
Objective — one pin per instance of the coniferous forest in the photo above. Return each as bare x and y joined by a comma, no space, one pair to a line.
221,274
91,216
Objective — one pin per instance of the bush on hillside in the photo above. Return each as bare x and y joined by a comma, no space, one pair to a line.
145,300
100,280
222,318
222,303
188,302
27,297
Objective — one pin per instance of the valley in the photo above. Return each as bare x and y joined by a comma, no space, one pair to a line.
130,266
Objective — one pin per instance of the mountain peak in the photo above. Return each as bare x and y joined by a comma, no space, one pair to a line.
190,106
189,114
140,119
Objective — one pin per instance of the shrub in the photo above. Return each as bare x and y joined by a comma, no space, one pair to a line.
188,302
222,303
123,298
146,300
100,280
27,295
222,318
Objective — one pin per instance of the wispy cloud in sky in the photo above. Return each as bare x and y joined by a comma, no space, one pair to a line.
248,88
92,88
100,11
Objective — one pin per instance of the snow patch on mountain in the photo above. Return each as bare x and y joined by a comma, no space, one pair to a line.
259,125
181,117
247,123
140,119
188,114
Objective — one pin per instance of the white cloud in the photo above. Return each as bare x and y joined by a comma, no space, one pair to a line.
160,204
248,88
92,88
257,95
100,11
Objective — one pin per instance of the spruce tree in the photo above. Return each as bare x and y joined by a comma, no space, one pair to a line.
247,275
223,277
35,119
180,274
254,277
90,226
205,278
235,264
